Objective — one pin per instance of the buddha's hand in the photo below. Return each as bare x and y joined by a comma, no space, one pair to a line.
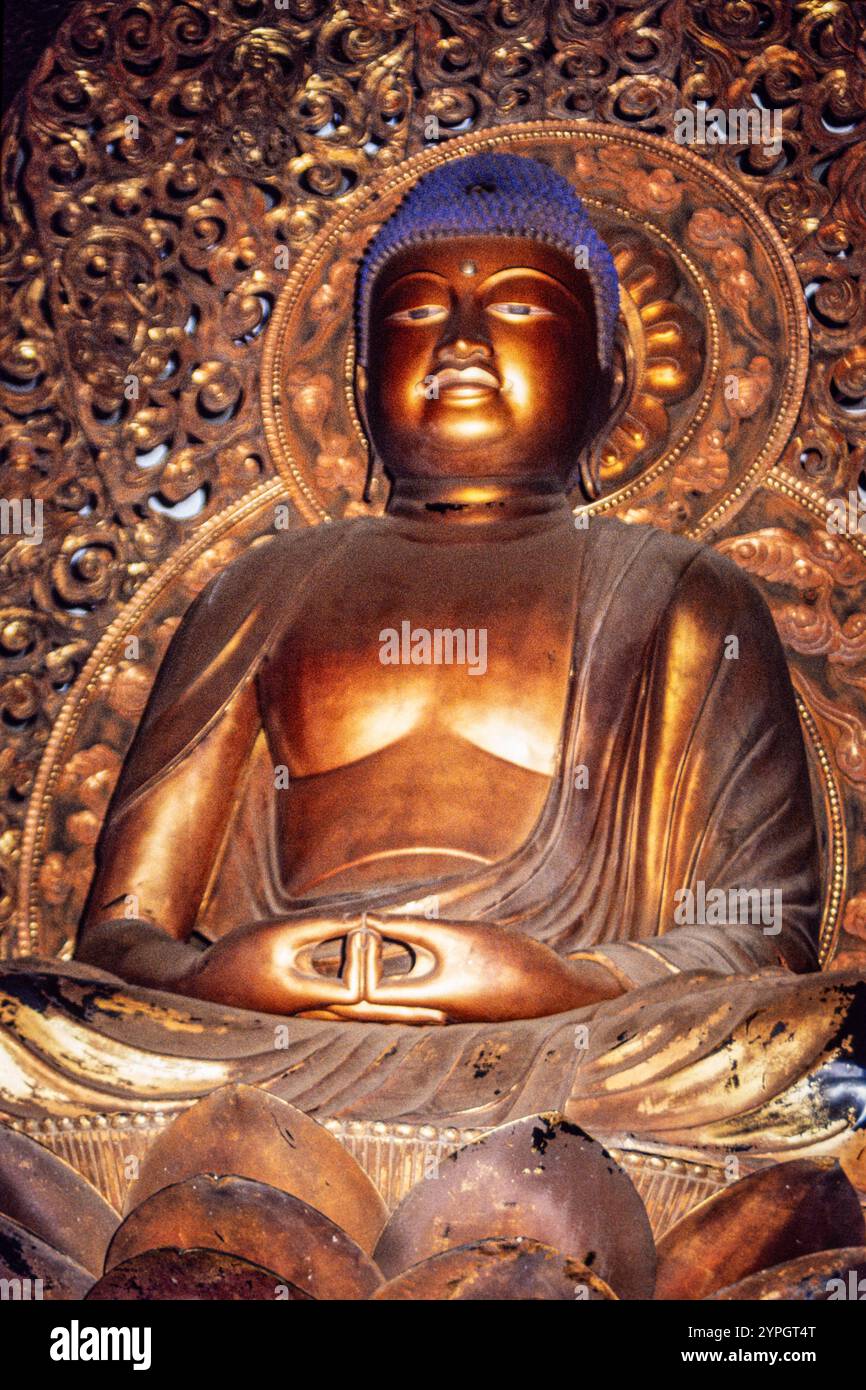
470,972
268,966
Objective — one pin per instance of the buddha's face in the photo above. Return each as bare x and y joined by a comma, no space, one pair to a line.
482,360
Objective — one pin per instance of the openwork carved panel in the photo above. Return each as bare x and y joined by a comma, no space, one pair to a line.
187,189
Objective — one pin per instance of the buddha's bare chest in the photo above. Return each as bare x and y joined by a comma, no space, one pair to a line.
431,655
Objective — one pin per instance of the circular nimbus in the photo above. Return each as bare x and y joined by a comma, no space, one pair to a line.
712,343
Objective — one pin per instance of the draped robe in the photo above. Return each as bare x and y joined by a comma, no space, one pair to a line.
681,711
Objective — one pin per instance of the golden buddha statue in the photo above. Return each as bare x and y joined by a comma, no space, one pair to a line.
555,792
471,780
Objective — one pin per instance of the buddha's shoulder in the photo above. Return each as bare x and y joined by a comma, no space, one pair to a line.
673,573
272,566
227,630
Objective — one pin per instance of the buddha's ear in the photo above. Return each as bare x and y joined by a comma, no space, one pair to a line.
585,475
361,407
361,400
587,471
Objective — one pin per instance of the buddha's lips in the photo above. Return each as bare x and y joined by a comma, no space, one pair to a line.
466,381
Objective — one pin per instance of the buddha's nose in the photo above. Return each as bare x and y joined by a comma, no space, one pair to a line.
463,351
464,334
469,347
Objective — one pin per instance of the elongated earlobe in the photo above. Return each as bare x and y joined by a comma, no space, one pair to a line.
587,470
586,474
375,471
376,476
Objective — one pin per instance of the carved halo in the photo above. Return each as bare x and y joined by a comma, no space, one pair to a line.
712,348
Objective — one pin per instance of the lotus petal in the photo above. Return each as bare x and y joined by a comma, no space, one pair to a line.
509,1269
26,1256
48,1196
768,1218
246,1132
827,1277
539,1177
258,1223
191,1275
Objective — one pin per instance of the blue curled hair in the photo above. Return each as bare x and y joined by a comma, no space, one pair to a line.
497,195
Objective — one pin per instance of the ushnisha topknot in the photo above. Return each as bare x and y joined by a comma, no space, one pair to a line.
500,195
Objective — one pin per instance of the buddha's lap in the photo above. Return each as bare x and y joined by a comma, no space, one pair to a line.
658,1062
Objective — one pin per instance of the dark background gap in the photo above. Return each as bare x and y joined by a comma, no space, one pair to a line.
28,28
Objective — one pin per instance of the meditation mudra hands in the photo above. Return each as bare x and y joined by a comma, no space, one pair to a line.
461,972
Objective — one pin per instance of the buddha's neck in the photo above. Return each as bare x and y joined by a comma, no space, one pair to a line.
476,501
